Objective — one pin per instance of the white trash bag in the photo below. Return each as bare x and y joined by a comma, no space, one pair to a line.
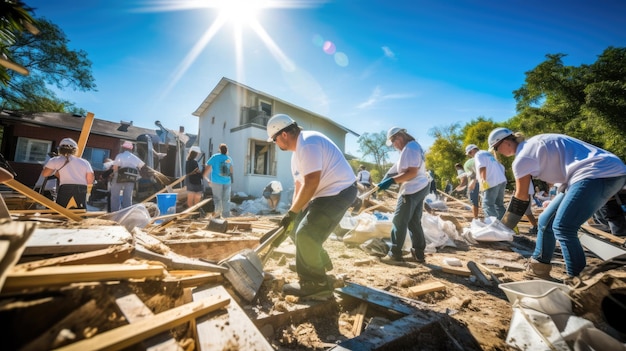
489,230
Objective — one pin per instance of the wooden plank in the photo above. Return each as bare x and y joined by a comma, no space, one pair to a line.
134,311
128,335
610,237
211,249
456,271
426,288
232,330
312,310
12,238
239,225
380,298
45,241
198,279
54,276
358,321
84,134
40,199
113,254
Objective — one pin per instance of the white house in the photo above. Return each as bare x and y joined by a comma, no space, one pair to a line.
237,116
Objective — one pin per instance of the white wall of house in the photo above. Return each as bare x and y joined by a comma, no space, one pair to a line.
221,123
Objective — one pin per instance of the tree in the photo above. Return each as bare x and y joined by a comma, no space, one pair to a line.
445,152
587,102
374,145
50,62
14,18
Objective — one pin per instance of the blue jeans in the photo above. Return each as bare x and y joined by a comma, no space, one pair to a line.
493,201
408,216
564,216
127,195
317,222
221,199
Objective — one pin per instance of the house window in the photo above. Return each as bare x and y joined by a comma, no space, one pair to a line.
32,150
96,157
262,156
265,107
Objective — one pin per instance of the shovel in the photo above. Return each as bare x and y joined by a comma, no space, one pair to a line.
245,269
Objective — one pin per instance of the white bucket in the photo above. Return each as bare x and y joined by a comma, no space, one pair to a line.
540,295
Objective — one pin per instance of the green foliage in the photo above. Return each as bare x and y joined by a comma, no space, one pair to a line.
586,102
51,63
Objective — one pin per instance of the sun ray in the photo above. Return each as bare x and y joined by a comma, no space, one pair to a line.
239,13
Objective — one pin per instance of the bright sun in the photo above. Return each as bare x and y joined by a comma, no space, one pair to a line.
239,13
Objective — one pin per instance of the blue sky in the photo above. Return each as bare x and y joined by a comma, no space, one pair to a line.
367,64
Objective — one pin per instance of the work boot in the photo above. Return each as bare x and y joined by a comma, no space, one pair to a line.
309,290
536,269
416,257
392,260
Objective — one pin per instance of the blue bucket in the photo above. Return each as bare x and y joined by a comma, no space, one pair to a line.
166,203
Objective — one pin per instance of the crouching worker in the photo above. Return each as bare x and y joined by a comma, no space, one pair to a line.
325,187
589,176
272,194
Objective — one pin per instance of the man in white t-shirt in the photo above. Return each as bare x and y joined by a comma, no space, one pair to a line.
492,181
325,187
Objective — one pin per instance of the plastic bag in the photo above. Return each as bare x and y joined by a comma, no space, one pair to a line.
490,230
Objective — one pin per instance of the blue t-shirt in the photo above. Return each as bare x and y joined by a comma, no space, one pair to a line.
220,168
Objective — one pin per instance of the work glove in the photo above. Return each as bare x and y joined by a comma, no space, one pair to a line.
386,183
288,219
515,211
484,185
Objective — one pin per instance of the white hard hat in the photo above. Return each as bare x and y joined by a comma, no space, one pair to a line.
68,142
276,124
393,131
127,145
497,135
469,148
195,148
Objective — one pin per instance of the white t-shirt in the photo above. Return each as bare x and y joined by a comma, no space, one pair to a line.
557,158
364,177
127,159
411,156
74,172
495,170
276,186
316,152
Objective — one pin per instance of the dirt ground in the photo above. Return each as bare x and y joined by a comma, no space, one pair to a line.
468,313
482,309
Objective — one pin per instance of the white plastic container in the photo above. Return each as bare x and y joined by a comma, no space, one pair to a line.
540,295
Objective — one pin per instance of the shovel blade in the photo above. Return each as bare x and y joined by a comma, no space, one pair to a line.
245,273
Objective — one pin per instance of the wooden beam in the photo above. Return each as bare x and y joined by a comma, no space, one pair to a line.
426,288
55,276
42,200
84,134
358,321
610,237
113,254
227,331
128,335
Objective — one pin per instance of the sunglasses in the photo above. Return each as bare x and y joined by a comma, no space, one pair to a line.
276,136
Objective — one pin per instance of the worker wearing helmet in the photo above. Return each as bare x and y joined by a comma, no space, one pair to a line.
126,166
490,176
589,176
325,187
74,174
410,172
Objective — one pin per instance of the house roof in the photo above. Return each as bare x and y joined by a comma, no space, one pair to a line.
122,130
225,81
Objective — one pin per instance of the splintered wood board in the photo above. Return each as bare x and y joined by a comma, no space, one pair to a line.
232,330
46,241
